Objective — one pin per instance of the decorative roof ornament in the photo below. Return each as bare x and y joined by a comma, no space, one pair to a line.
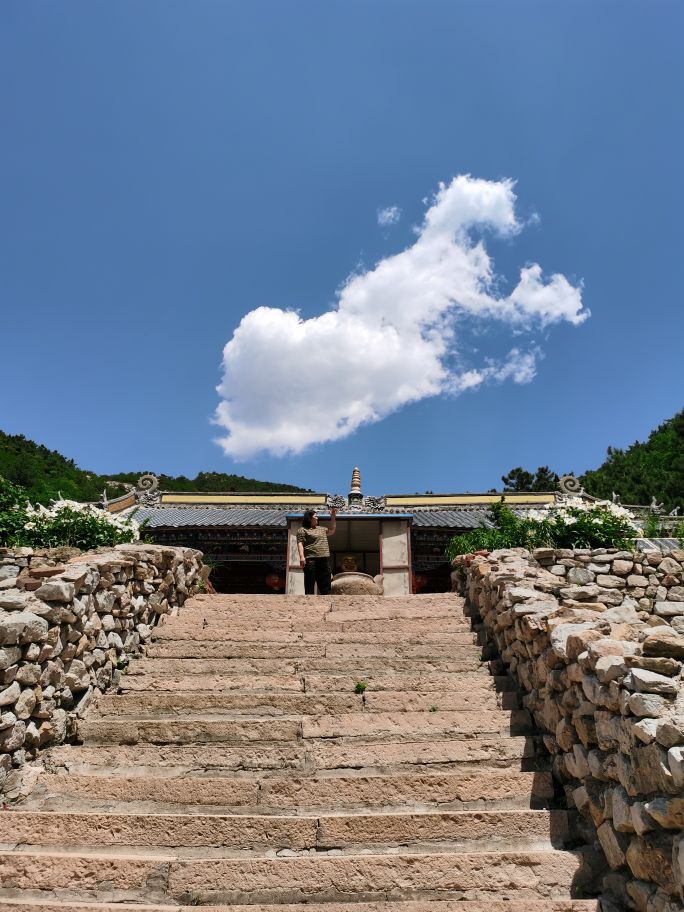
148,483
147,490
355,493
568,484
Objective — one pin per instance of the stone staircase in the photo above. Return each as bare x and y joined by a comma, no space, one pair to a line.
271,753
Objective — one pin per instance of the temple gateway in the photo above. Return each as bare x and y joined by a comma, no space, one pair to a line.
250,539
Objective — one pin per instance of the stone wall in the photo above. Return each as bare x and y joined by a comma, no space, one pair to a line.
68,623
596,641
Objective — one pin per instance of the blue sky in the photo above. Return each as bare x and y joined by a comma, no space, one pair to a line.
169,167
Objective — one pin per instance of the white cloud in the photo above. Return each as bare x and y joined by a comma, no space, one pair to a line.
389,215
289,383
520,367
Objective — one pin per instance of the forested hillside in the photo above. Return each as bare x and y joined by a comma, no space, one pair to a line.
46,473
642,471
653,468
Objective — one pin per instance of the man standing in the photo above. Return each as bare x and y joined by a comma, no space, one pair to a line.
314,551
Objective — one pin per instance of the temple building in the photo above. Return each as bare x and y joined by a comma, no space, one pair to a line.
250,539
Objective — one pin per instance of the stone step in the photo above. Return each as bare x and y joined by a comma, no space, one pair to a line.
394,754
343,607
476,684
486,788
151,682
363,666
192,701
414,680
431,630
509,753
489,830
489,905
360,726
220,647
325,878
407,725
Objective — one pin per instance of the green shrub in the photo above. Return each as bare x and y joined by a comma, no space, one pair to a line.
573,523
66,522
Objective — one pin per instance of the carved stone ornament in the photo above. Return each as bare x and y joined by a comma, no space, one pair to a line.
148,483
147,490
570,485
336,500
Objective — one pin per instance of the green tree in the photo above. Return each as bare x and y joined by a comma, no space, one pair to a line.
654,468
519,479
45,474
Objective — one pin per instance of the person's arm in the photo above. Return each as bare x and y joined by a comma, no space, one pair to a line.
300,548
333,521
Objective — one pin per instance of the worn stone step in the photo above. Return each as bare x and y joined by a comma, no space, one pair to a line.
186,757
520,751
365,727
474,684
223,667
450,700
435,630
221,647
275,793
465,787
489,905
344,607
379,679
187,731
322,877
191,702
151,682
508,753
491,829
314,703
362,666
409,725
469,662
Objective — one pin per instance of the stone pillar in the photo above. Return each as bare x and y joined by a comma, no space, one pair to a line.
294,574
395,556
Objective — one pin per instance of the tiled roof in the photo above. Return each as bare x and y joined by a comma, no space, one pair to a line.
451,519
172,517
657,544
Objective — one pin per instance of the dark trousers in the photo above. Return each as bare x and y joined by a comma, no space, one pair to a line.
317,570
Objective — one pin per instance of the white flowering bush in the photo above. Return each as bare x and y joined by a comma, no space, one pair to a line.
65,522
569,523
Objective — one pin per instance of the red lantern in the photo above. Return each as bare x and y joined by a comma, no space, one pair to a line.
419,581
274,581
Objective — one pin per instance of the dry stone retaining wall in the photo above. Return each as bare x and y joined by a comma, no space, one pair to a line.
596,641
68,623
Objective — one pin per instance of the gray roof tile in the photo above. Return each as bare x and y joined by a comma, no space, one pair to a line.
193,517
172,517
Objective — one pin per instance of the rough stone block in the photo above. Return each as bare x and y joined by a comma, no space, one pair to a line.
650,682
614,845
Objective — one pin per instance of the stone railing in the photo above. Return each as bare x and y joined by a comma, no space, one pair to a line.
596,642
68,624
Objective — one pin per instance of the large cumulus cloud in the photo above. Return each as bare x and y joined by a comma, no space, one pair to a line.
289,383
